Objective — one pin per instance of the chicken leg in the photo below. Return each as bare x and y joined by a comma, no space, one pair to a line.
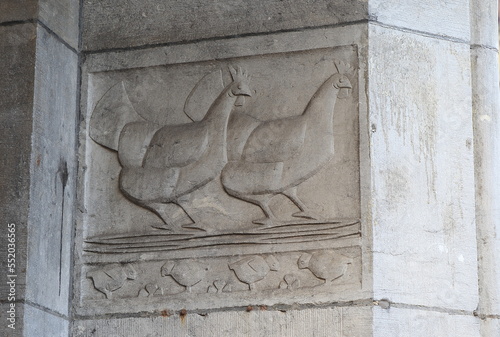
262,200
291,193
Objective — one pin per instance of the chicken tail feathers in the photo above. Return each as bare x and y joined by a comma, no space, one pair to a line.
113,111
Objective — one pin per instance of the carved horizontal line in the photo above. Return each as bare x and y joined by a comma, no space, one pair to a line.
320,231
308,226
147,249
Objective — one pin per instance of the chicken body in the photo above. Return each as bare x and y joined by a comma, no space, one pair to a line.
162,164
281,154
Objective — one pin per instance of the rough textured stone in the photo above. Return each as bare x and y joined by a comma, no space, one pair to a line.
411,184
483,23
62,17
18,10
53,170
422,171
397,322
41,323
17,47
450,18
490,327
486,137
335,322
118,24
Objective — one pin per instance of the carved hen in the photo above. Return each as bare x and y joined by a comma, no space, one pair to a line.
111,278
281,154
325,265
254,268
160,164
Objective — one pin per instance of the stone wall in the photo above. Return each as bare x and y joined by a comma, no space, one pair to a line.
275,168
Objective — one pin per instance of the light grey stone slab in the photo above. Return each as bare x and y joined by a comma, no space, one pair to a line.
490,327
449,18
227,48
397,322
42,323
53,174
122,263
62,17
422,170
119,24
12,318
17,46
486,107
334,322
18,10
484,23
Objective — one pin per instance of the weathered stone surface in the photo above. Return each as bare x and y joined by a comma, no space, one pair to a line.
490,327
397,322
335,322
118,24
18,10
62,17
17,47
422,171
486,106
483,23
53,172
450,18
260,179
41,323
210,50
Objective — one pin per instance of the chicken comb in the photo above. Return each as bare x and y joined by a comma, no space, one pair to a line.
343,68
238,73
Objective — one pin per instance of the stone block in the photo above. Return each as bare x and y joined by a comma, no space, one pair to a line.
62,17
119,24
253,202
486,105
53,174
328,322
18,10
17,46
449,19
483,23
38,322
490,327
422,170
397,322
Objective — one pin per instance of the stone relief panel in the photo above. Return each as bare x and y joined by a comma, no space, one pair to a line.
222,179
227,276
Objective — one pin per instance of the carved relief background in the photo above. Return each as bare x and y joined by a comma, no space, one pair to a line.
223,179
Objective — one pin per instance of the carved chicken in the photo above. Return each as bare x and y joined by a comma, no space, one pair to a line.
254,268
186,273
111,278
281,154
162,164
325,265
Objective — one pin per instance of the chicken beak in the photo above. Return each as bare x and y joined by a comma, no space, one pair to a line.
240,100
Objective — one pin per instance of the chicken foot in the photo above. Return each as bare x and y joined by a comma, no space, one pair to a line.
304,213
170,222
